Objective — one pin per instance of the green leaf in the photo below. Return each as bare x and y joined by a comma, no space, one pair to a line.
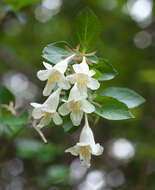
93,59
28,148
58,174
125,95
68,125
112,109
50,152
86,30
18,4
5,95
104,70
54,52
13,120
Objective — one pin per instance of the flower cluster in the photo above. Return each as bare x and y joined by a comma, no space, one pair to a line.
77,79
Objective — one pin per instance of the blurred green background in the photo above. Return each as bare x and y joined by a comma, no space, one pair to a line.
127,40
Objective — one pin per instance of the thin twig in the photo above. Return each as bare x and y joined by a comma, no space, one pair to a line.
89,62
79,54
41,134
34,125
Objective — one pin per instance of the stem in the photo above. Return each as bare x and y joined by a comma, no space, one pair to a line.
41,134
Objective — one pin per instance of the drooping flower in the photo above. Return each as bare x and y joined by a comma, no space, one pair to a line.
54,75
83,77
76,106
47,110
86,146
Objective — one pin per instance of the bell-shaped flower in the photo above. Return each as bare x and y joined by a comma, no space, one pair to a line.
47,110
86,146
54,75
76,106
83,77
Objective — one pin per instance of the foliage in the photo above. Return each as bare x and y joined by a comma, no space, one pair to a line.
114,103
54,52
17,4
5,95
86,35
24,36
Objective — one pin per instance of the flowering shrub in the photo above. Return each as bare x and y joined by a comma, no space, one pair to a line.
72,83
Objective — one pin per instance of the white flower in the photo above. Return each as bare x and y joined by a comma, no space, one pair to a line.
86,146
54,75
83,77
76,105
47,110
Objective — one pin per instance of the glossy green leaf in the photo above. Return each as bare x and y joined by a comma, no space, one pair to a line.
18,4
54,52
104,70
112,109
86,30
125,95
93,59
5,95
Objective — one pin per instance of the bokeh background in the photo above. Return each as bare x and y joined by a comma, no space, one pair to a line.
127,40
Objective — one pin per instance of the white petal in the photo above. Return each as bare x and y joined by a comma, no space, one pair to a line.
72,150
43,75
76,118
77,68
87,107
63,83
74,94
97,150
36,105
82,67
51,104
82,92
47,65
93,84
37,113
44,121
86,135
48,88
62,65
57,119
80,144
91,73
71,78
86,162
64,109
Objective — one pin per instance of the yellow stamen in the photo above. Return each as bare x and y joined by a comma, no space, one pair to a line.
84,151
54,77
75,107
81,79
48,116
